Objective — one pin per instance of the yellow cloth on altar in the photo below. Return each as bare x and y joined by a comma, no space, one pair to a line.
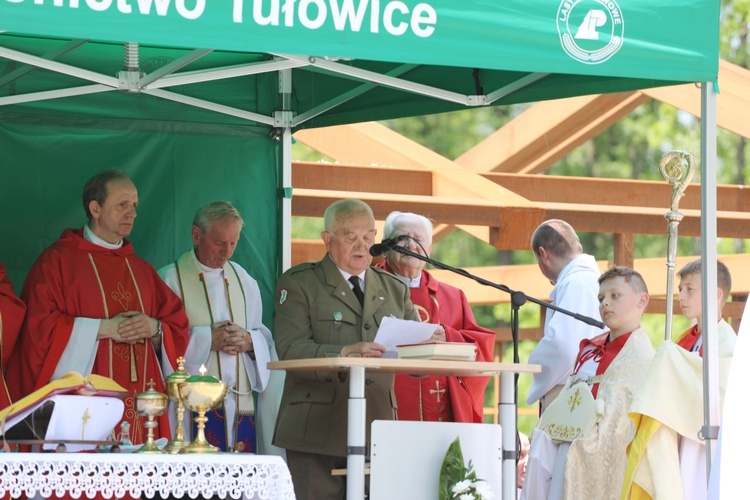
669,405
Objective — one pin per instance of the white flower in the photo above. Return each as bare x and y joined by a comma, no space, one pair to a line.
461,486
483,490
467,496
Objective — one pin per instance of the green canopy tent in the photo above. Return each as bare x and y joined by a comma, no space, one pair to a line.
198,100
234,73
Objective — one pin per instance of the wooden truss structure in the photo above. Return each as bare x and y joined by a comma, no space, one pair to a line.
494,193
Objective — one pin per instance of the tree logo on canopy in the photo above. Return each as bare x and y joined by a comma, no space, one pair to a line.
591,31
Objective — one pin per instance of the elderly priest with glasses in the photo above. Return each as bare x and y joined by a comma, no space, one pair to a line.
436,398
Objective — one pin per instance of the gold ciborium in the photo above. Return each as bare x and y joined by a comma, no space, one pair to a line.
150,404
173,390
202,393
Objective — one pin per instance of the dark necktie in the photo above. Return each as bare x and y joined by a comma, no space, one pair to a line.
354,280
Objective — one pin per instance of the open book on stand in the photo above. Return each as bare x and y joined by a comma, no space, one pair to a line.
71,408
447,351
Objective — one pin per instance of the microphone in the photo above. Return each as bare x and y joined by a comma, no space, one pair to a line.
383,246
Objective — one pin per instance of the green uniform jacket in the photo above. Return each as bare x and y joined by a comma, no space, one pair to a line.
316,315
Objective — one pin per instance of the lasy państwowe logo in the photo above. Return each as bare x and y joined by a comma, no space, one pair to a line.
591,31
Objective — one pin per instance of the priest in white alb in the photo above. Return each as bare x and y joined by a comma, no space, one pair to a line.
227,335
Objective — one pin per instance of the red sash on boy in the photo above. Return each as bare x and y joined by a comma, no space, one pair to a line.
688,339
599,349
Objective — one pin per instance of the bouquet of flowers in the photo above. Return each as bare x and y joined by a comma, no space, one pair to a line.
458,481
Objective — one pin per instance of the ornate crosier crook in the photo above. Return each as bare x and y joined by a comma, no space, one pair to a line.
676,167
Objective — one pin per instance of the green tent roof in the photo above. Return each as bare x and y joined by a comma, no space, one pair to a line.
349,60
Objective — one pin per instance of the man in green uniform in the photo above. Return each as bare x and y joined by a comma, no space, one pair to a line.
319,314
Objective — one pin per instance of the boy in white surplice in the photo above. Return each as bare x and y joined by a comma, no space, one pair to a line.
613,365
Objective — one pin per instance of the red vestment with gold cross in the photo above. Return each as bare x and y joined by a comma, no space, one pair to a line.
75,278
441,398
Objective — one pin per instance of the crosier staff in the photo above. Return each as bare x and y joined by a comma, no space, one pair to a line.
676,167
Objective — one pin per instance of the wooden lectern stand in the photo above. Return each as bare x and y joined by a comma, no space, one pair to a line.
355,462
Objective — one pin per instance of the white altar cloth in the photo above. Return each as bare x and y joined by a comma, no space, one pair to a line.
230,475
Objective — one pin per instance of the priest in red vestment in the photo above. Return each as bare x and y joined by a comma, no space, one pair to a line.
436,398
12,310
95,307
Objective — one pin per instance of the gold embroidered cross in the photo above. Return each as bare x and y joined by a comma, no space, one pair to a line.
84,420
122,296
437,390
574,400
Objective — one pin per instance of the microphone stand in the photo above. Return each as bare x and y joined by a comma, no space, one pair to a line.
507,407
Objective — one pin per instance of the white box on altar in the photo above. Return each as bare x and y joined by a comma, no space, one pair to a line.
405,458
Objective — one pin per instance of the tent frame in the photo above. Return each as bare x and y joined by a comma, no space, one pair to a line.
132,80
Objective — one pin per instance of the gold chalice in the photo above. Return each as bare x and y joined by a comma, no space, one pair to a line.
202,393
150,404
173,390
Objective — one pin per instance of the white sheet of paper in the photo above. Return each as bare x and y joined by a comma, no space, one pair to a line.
394,331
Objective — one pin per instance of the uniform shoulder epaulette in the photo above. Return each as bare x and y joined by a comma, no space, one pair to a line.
302,267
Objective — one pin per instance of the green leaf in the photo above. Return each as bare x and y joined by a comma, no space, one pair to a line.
452,470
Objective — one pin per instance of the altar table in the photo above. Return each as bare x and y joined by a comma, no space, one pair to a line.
229,475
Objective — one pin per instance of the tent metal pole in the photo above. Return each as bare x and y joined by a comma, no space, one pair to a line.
65,69
347,96
380,79
286,202
285,94
52,55
208,75
55,94
211,106
711,419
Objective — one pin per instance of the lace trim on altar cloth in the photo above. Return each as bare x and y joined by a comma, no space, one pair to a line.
115,475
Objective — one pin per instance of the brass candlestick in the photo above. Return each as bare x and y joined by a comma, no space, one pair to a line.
202,393
173,390
150,404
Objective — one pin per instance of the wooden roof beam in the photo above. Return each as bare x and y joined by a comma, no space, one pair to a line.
372,143
549,130
625,192
546,132
518,224
478,212
511,227
382,146
341,177
733,98
542,188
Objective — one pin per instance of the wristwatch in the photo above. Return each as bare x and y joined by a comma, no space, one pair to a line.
159,330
